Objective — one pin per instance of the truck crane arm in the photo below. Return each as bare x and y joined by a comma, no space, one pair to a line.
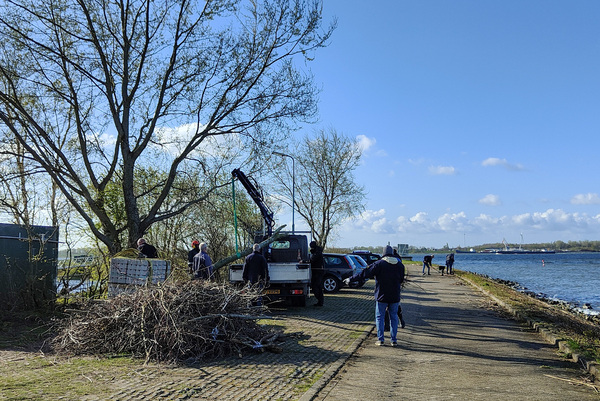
257,197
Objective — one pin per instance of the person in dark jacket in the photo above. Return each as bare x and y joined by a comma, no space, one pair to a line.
389,275
449,263
427,260
195,250
256,270
317,272
387,313
146,249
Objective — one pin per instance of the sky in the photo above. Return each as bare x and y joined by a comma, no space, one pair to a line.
479,120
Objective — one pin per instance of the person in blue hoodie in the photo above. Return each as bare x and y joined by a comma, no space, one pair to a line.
389,275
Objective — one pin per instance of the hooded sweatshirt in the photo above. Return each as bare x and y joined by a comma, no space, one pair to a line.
389,275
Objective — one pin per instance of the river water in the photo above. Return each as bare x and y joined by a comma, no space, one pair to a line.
570,277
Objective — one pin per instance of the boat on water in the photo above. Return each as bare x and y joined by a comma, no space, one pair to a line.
489,250
519,250
522,251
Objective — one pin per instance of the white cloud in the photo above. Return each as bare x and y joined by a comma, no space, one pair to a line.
416,162
419,223
459,229
453,221
382,226
422,223
373,221
421,228
370,214
484,222
365,143
490,200
168,140
556,220
586,199
420,218
172,141
108,139
442,170
494,161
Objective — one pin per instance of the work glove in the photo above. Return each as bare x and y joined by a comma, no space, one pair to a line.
347,281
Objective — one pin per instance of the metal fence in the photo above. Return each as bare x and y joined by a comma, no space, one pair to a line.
28,265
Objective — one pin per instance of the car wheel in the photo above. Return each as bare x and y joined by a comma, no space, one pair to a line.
331,284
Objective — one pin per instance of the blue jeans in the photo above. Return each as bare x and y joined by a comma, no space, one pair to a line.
424,266
380,308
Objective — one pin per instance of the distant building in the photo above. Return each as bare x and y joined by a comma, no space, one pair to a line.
403,249
28,265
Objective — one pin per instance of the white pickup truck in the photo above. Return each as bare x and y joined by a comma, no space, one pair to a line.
289,270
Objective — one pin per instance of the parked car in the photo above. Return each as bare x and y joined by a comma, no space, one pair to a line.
338,267
360,265
368,256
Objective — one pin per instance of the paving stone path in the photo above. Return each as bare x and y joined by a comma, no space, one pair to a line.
454,347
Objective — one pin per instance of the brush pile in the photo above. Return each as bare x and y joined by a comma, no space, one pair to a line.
171,322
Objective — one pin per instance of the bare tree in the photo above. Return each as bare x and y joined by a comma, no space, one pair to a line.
17,192
211,221
325,189
112,80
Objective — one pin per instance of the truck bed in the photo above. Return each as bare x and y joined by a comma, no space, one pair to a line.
278,273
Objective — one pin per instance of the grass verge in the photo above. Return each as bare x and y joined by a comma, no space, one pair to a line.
28,373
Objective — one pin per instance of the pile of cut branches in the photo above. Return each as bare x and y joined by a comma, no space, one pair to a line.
170,322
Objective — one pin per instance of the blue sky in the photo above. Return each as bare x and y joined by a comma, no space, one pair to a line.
480,119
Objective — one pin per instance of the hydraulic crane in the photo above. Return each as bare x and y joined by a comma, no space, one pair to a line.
257,197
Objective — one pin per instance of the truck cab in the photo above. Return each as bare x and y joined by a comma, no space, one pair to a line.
288,249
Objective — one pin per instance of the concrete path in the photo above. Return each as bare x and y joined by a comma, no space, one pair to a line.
455,347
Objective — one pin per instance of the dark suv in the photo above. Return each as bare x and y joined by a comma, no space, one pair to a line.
338,267
368,256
